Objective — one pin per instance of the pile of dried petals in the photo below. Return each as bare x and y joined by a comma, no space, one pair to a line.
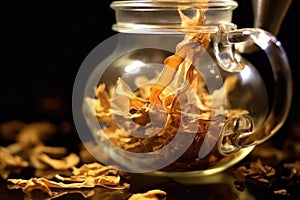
29,149
168,116
86,177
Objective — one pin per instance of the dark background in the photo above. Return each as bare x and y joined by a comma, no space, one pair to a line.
44,43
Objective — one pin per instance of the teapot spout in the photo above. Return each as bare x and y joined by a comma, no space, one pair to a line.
269,14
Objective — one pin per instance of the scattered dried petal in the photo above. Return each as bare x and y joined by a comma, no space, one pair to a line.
87,176
10,129
282,191
35,134
294,167
62,164
256,171
10,163
149,195
45,157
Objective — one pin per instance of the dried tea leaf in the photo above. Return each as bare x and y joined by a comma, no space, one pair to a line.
45,157
10,163
10,129
14,148
60,164
294,167
94,169
87,176
51,173
32,184
149,195
102,95
45,187
257,168
256,171
282,192
179,67
35,134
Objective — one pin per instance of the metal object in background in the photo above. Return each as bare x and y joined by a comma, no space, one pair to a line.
268,15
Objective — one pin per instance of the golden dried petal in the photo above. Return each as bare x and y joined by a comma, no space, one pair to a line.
34,184
294,167
108,180
102,96
149,195
93,169
10,163
10,129
38,151
60,164
282,192
35,134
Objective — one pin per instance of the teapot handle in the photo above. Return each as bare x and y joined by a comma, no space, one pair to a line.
235,139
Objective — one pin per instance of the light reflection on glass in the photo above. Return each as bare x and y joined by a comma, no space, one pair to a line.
134,67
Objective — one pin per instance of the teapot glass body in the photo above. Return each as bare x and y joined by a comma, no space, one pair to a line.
173,94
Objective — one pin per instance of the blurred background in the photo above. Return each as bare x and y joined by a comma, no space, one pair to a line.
44,43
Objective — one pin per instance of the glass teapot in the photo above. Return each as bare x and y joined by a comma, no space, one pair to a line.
172,94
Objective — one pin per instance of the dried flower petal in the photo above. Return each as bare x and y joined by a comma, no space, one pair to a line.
35,134
282,192
10,163
45,186
62,164
45,157
10,129
149,195
294,167
256,171
87,176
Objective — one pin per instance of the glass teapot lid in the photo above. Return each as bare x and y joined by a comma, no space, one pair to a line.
156,15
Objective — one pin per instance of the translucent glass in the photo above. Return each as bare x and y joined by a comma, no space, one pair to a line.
176,100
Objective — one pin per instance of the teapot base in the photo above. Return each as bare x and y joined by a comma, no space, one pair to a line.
189,176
